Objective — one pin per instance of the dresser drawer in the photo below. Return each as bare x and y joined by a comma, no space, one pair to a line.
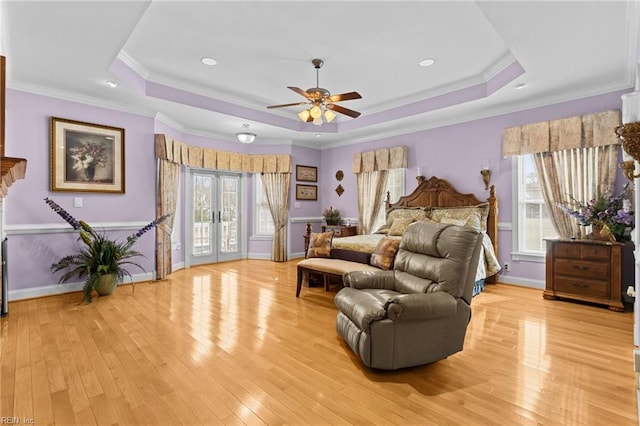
595,252
566,250
585,287
582,268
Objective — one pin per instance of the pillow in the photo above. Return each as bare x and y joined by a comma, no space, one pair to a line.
320,244
400,225
416,213
453,221
472,216
385,253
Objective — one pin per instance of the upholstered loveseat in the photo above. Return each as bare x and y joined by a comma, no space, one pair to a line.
418,312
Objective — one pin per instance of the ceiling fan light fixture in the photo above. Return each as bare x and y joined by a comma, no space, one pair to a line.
329,116
304,115
318,121
315,112
246,136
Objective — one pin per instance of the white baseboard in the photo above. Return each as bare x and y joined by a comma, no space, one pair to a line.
522,282
50,290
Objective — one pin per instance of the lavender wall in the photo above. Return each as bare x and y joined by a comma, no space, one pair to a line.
456,153
453,152
27,134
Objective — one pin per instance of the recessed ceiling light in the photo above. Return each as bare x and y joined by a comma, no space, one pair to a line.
427,62
520,86
318,135
111,83
208,61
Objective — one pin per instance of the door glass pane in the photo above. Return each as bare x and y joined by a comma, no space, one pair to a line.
229,210
202,215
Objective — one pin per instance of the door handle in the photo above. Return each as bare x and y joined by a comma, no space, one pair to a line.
219,220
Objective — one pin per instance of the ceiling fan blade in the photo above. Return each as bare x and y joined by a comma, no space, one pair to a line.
342,110
287,105
344,97
300,91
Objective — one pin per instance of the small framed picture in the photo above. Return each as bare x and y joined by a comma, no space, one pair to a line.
86,157
307,173
306,192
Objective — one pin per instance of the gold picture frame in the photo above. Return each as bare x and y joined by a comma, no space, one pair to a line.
306,192
306,173
86,157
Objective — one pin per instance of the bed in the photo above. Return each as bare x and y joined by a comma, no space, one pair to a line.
437,200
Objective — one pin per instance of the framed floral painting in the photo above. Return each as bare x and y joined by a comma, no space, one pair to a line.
86,157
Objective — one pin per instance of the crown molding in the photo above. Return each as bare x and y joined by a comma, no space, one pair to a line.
78,98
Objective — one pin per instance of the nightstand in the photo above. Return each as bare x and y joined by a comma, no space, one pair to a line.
340,231
589,270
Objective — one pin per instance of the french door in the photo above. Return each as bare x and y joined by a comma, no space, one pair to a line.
213,228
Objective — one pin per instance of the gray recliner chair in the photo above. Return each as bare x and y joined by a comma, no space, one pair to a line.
418,312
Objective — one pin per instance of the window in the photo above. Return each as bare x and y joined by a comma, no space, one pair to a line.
395,188
533,223
263,222
395,184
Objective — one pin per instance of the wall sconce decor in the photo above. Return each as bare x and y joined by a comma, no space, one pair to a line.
486,173
486,178
630,135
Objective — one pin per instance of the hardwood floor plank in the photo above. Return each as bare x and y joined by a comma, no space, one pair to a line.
229,343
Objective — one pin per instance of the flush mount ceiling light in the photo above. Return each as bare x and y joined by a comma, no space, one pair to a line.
427,62
246,136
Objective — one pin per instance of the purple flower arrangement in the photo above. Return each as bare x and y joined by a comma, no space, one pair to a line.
608,209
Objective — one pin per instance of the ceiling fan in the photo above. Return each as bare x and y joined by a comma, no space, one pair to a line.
321,102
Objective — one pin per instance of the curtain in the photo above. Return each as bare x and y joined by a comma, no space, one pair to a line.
167,195
574,174
276,187
370,187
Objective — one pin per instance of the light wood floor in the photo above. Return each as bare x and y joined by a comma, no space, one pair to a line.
230,343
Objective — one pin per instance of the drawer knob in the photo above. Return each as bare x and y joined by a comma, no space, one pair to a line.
580,285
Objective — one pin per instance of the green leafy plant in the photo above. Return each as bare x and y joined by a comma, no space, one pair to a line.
331,215
98,255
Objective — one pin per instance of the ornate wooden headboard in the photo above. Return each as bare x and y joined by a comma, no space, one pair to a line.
436,192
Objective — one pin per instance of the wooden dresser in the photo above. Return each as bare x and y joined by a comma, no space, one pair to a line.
588,270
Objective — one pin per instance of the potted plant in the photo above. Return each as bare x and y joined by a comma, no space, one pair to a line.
100,261
331,216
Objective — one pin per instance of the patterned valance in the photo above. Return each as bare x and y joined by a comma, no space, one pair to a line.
172,150
584,131
380,159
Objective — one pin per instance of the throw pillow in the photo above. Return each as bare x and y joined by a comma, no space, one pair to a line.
385,253
320,244
472,216
400,225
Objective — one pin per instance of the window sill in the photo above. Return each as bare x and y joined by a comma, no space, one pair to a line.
261,238
529,257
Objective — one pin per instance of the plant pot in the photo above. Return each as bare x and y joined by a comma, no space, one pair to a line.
106,285
332,222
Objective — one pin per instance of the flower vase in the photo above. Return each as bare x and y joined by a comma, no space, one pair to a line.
601,232
332,222
91,171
